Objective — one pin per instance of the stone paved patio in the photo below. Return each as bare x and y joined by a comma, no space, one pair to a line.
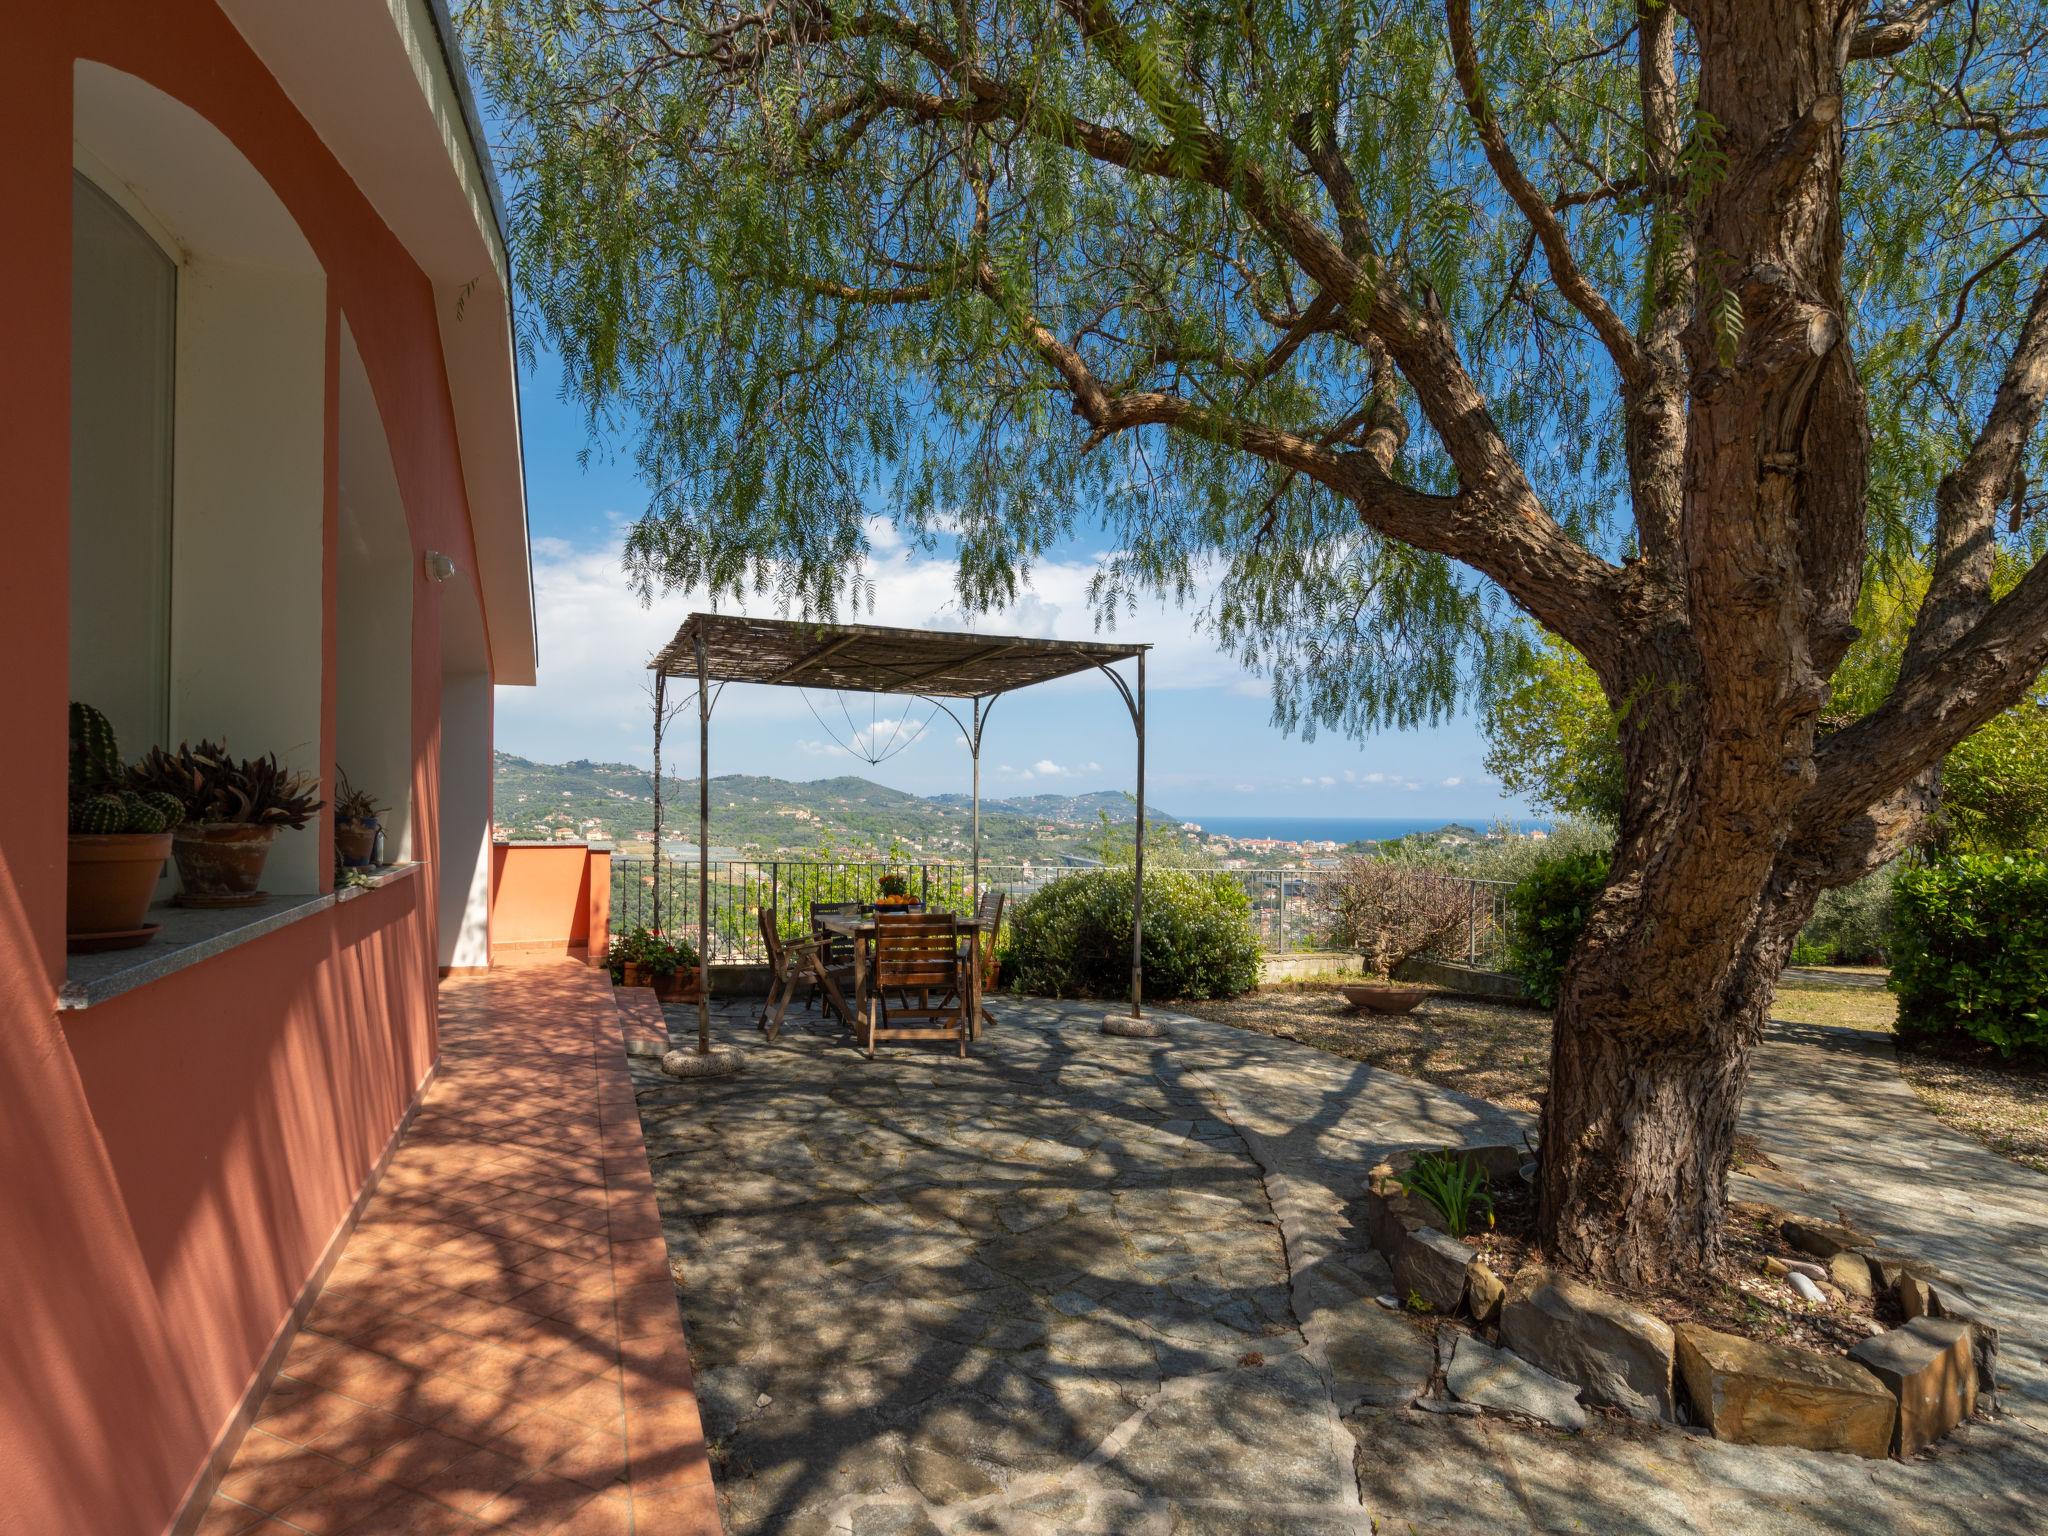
1077,1284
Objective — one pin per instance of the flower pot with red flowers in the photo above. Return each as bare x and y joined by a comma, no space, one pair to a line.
356,823
640,957
234,809
119,839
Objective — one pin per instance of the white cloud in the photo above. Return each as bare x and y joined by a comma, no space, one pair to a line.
596,639
1453,781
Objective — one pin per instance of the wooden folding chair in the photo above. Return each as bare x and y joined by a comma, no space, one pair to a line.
791,965
834,949
917,954
990,910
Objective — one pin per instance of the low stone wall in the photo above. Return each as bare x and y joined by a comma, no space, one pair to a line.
1464,980
1310,965
1560,1340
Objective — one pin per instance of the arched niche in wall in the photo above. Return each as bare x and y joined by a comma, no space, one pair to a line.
463,815
375,575
242,655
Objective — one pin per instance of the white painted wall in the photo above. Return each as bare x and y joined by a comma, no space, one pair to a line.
123,320
247,432
375,580
247,558
464,852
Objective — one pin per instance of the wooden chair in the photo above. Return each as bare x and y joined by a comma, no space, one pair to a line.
917,954
990,910
835,949
791,965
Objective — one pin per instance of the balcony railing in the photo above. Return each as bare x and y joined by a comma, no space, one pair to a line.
1291,908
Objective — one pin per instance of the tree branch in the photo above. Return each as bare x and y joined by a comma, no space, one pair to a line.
1565,271
1896,32
1968,658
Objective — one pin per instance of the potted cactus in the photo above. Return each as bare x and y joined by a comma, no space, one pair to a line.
356,822
233,809
119,840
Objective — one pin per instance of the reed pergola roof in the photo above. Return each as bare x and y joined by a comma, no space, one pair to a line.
870,658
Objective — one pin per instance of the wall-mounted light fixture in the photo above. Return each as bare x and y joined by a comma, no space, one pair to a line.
437,565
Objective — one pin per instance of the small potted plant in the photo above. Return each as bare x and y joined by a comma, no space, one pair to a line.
119,839
673,970
895,891
233,810
356,822
642,958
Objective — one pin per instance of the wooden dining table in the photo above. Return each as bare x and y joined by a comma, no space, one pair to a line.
861,927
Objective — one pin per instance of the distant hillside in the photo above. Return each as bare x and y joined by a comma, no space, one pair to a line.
1085,810
766,817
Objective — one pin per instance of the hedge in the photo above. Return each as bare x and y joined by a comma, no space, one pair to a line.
1547,911
1970,951
1072,938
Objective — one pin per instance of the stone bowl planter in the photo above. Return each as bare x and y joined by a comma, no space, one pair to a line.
1384,996
220,863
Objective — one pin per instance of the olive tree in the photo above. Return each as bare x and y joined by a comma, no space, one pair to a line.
1381,321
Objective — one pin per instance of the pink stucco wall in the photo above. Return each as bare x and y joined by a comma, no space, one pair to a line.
177,1159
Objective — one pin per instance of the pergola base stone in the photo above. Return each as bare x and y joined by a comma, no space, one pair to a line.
1124,1027
712,1063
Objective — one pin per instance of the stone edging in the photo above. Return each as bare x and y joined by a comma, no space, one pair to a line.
1895,1393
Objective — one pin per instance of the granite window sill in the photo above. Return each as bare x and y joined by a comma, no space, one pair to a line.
190,935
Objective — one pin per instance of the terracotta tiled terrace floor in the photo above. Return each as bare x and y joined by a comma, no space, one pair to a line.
498,1347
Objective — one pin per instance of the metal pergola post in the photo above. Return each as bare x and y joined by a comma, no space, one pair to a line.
703,853
974,858
660,699
1138,872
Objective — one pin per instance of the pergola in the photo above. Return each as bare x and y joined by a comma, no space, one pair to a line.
935,665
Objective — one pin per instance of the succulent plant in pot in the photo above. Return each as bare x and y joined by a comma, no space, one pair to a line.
356,823
233,807
119,839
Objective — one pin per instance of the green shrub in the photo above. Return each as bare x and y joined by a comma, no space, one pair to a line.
1850,926
1547,912
1072,938
1970,951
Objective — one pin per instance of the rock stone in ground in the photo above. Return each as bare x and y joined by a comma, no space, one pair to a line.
1484,1292
1822,1239
1915,1296
1620,1354
1504,1381
1431,1265
1944,1300
1773,1394
1928,1366
1375,1356
1850,1271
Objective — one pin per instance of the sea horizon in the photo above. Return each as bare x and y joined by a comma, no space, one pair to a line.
1350,829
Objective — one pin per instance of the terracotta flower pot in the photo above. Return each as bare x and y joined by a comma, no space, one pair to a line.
679,986
221,862
636,974
111,877
356,841
1384,996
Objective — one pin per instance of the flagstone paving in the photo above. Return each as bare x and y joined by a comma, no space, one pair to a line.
1092,1285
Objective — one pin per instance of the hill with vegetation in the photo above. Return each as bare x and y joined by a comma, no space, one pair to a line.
761,817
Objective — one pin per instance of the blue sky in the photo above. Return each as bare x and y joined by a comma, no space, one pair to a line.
1212,748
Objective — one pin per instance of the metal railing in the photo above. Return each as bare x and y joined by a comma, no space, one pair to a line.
1291,908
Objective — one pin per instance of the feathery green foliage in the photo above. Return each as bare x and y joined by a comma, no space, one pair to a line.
810,258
